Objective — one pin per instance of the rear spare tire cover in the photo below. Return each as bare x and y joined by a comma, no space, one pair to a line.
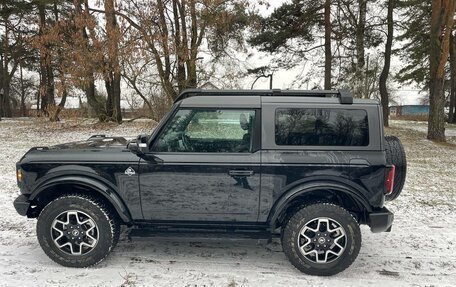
395,154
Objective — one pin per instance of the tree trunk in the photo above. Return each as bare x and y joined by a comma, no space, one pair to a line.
23,108
180,49
47,79
92,99
38,103
116,93
109,104
328,54
55,116
436,122
359,46
192,79
386,67
112,81
42,87
452,115
441,26
61,105
5,101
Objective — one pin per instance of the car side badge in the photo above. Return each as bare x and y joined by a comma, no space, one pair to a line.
130,171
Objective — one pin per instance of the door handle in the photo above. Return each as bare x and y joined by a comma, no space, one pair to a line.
240,172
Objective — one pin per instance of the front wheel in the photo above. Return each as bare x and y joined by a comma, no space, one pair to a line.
77,230
321,239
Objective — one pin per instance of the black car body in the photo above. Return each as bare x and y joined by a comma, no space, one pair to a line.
267,154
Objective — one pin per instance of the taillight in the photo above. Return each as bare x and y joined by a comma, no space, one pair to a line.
389,183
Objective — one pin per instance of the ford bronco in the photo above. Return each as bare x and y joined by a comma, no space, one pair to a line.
306,166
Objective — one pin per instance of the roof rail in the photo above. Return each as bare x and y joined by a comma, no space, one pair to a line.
345,97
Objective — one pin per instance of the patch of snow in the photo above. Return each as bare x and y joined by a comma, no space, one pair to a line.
72,102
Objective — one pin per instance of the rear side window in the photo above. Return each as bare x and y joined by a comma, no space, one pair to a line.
321,127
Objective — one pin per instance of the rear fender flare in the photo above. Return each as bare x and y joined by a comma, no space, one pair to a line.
283,202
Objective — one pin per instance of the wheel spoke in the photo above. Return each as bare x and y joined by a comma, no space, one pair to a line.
61,222
90,229
91,237
310,252
324,260
87,244
337,230
58,237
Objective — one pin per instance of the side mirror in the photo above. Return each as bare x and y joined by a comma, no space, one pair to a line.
142,138
138,145
133,146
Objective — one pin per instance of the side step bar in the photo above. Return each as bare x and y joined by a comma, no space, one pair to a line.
200,233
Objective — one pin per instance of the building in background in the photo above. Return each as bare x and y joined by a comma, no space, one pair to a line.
409,103
409,110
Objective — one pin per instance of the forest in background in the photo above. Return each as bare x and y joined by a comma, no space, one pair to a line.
107,50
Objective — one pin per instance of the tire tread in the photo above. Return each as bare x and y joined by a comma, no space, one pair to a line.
395,154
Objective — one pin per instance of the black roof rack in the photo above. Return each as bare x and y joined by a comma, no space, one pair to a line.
345,97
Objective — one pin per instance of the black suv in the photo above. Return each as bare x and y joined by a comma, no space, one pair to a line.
308,166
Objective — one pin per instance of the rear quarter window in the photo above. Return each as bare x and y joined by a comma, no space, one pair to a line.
321,127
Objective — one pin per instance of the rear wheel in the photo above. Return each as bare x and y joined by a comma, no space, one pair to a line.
322,239
77,230
395,154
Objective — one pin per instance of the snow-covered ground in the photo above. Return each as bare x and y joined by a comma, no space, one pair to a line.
450,129
420,250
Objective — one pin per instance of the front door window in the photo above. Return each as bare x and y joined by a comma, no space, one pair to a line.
208,130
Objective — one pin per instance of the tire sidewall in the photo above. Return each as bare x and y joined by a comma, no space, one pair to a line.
296,223
101,219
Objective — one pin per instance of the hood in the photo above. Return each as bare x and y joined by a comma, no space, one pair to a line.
94,149
94,142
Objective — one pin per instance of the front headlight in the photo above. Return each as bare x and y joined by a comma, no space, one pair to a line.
19,175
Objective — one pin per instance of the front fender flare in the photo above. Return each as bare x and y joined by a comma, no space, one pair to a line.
301,189
103,189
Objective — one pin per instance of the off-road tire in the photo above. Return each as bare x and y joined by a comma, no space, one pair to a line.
105,219
308,213
395,154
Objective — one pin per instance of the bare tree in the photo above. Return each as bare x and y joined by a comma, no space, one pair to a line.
173,33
